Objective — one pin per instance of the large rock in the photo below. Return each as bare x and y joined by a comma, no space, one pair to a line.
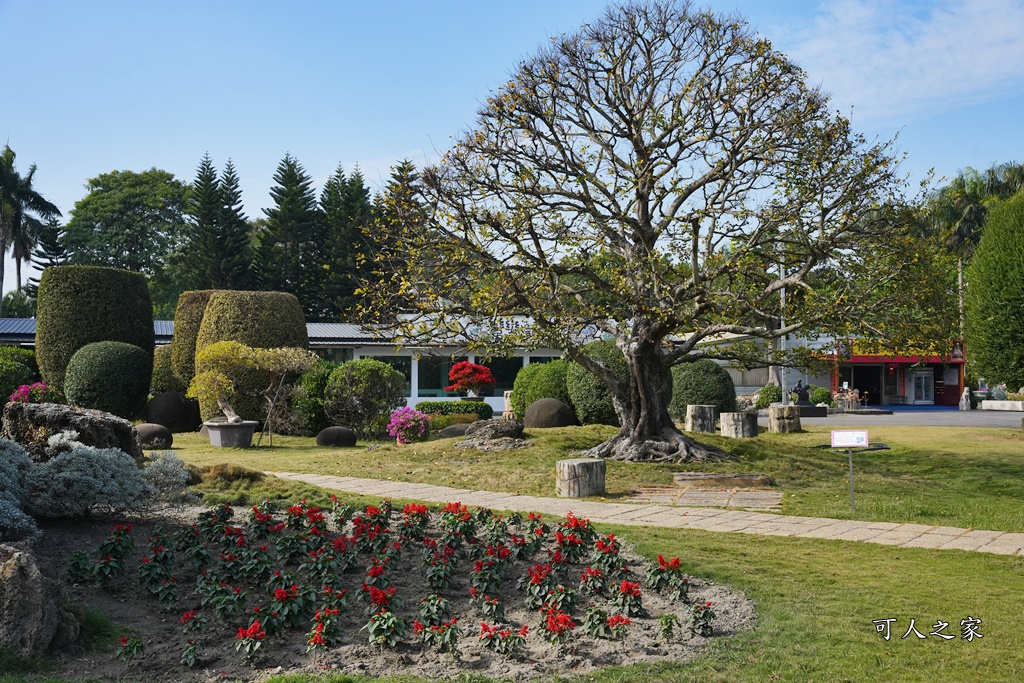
547,413
33,619
32,424
494,435
172,410
454,430
336,437
154,436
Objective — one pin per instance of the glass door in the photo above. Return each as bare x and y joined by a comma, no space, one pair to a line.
924,387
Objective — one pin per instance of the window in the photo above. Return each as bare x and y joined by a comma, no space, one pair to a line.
334,355
504,371
543,359
433,375
401,363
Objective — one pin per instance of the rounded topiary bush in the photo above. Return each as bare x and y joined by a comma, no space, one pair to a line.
308,399
361,394
588,394
188,316
109,376
769,394
163,378
79,305
701,383
258,319
820,395
537,381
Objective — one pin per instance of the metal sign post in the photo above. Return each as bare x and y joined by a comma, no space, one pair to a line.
850,440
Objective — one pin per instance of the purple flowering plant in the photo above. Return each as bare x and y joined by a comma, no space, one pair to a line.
39,392
408,425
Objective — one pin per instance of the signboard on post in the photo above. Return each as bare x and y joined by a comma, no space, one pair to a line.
850,438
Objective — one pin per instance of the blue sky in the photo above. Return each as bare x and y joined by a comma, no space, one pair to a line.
98,86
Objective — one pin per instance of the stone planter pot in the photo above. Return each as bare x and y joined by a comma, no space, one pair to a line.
231,435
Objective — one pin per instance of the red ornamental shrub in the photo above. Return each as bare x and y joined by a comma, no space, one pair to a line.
466,376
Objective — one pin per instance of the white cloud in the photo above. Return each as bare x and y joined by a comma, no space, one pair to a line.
896,60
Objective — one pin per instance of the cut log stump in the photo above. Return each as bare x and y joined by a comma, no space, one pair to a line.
739,425
700,419
783,419
579,477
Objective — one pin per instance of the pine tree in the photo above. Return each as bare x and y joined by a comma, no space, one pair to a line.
235,266
345,203
204,209
49,251
288,253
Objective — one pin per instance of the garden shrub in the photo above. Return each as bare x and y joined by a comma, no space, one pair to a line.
771,393
37,392
361,394
820,395
482,409
537,381
589,396
13,375
308,398
110,376
257,319
79,305
438,421
169,477
163,378
25,357
86,479
188,316
703,382
14,466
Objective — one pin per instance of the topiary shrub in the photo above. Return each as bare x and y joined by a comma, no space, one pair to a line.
13,375
256,319
188,316
163,377
361,394
703,382
771,393
308,399
537,381
588,394
820,395
109,376
482,409
84,480
79,305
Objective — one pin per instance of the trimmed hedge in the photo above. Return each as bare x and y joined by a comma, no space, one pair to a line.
21,356
537,381
265,320
590,397
361,394
163,377
110,376
308,399
79,305
482,409
703,382
188,316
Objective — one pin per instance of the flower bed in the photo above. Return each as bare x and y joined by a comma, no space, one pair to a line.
376,590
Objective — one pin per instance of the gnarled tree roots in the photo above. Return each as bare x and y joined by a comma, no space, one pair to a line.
666,447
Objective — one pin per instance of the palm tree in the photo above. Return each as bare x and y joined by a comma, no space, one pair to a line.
21,209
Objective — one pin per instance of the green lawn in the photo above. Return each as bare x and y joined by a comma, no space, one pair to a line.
965,477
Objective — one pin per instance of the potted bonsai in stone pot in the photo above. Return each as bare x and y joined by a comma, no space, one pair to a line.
222,367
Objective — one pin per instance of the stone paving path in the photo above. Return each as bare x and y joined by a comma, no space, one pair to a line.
707,519
762,500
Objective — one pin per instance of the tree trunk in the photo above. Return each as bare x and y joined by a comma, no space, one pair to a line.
739,425
3,259
700,419
647,432
783,419
579,478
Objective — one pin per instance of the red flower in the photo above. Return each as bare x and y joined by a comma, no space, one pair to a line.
629,588
124,641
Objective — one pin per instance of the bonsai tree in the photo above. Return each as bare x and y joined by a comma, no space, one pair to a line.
470,377
229,367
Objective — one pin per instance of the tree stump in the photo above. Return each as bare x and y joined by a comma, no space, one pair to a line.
783,419
739,425
700,419
579,477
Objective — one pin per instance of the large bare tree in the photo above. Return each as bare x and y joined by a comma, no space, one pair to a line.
659,177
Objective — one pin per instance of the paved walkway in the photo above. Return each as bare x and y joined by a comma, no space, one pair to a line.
707,519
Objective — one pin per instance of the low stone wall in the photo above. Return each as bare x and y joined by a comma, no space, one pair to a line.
1002,405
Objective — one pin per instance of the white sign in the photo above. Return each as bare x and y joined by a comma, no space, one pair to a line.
850,439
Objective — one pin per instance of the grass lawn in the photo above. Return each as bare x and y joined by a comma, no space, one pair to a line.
964,477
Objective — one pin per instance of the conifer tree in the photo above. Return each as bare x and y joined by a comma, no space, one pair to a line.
204,208
49,251
345,203
288,253
234,269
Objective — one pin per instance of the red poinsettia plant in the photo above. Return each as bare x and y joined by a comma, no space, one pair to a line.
470,377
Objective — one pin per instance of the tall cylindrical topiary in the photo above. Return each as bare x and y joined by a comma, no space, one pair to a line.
109,376
702,383
188,316
79,305
257,319
163,377
590,397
